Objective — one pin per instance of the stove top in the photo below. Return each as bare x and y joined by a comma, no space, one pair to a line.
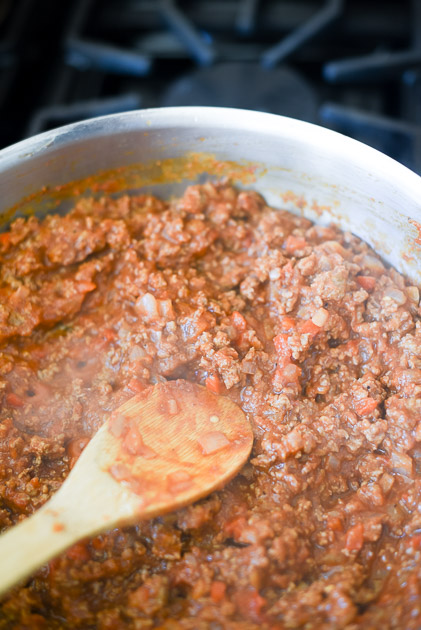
352,66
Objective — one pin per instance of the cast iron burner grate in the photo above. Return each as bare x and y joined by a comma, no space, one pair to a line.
354,66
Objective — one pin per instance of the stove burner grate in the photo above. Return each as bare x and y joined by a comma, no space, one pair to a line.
347,65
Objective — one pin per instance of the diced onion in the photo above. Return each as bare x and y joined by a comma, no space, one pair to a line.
333,247
249,367
402,463
275,274
396,295
179,481
373,264
320,317
136,353
213,442
290,373
147,305
413,294
166,309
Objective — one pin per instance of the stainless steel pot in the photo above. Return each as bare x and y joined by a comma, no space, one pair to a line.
303,167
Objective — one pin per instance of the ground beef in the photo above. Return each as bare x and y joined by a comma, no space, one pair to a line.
304,327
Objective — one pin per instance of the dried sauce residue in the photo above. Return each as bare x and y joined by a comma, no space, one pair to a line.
417,226
134,176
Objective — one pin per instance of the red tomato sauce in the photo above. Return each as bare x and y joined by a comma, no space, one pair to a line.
303,326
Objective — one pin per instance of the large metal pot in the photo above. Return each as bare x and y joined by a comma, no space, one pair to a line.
296,165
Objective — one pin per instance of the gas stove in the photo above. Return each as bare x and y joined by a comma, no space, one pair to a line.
352,66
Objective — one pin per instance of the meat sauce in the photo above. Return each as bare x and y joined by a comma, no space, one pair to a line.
304,327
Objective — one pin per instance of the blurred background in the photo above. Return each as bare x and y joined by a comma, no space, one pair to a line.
351,65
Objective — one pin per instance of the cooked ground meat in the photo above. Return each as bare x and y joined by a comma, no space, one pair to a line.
301,325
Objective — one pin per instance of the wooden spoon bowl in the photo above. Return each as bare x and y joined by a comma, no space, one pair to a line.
164,448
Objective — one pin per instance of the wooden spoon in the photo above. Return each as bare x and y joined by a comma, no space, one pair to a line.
164,448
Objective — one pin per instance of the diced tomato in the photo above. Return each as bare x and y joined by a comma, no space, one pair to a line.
235,527
352,346
415,541
118,425
16,500
76,446
5,238
214,384
99,542
283,349
133,442
365,406
108,333
217,591
104,338
86,286
250,603
355,537
366,282
287,374
120,472
134,445
334,523
241,339
196,325
288,323
310,328
14,400
79,553
294,243
34,483
135,385
239,321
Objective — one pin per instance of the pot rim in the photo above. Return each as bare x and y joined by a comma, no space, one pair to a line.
377,164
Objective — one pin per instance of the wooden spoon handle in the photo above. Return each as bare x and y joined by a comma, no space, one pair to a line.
29,545
70,515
